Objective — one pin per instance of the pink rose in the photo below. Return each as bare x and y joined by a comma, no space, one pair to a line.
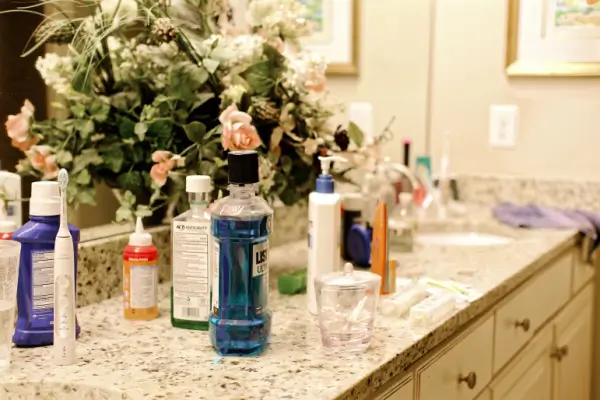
161,156
165,162
51,168
43,159
316,82
18,128
238,131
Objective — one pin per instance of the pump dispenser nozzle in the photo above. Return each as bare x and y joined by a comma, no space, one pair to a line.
326,163
325,181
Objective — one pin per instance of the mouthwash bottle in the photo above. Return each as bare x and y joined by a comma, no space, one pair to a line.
35,291
191,238
240,324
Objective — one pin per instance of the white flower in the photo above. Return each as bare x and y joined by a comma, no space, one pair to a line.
233,93
114,44
246,49
258,10
56,71
160,81
122,10
307,70
161,56
266,173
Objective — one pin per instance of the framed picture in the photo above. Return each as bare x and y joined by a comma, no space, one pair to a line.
336,35
553,38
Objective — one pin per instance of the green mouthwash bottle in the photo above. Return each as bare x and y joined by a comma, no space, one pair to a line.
190,255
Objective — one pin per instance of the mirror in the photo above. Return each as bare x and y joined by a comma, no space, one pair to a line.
372,56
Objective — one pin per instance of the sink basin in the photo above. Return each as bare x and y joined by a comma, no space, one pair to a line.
462,239
56,390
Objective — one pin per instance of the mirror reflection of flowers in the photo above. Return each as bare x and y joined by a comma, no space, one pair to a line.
154,91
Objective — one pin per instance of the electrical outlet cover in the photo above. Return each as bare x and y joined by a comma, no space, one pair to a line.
504,125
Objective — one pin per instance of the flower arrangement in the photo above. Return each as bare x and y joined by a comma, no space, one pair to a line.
154,91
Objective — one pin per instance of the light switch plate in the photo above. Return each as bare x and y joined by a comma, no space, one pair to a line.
504,125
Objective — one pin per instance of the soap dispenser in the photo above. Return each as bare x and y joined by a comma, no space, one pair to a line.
324,226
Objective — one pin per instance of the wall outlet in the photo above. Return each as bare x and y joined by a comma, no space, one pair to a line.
504,124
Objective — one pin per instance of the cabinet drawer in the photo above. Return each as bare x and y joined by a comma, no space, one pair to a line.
524,313
461,371
583,270
404,391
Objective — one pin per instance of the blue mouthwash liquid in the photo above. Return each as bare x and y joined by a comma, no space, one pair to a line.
240,322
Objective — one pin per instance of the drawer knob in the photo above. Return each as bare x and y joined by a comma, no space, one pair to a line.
524,324
560,353
470,379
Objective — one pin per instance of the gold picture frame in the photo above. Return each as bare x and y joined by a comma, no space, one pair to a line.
351,68
518,68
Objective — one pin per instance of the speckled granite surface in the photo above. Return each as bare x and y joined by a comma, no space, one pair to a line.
152,360
100,274
563,193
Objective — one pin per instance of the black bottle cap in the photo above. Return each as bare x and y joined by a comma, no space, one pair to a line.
243,167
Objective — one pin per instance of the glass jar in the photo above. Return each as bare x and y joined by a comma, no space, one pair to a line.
347,304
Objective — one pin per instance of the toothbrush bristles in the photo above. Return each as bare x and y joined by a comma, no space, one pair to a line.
63,178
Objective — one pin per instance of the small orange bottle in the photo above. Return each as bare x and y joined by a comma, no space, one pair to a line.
140,276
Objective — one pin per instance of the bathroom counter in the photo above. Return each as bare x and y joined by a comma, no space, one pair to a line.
122,359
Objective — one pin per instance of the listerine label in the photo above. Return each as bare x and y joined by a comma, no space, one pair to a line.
260,276
260,263
215,278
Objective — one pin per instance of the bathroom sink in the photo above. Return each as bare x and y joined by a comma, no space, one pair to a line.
462,239
57,390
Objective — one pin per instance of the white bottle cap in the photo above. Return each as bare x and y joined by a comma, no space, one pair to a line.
45,199
140,238
7,226
197,184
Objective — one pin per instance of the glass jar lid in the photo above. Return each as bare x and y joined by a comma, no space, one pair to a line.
349,279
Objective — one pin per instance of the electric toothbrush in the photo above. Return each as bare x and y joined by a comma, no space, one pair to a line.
64,284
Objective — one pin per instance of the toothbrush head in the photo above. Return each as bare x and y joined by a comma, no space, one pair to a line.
63,179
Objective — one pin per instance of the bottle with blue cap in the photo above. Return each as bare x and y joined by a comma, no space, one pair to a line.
324,225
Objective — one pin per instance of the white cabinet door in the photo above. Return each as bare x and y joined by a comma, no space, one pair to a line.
529,376
573,351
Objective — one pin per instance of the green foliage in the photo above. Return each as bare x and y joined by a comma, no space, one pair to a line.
127,95
355,133
260,77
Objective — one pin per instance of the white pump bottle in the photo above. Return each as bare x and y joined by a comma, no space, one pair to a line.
324,230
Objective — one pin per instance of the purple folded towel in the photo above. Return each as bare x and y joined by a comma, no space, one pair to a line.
536,216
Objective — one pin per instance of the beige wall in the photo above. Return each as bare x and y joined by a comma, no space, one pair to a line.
394,63
559,133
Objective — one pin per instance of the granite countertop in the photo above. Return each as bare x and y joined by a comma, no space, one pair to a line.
121,359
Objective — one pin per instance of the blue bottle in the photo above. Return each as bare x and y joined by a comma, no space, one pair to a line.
35,292
240,324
